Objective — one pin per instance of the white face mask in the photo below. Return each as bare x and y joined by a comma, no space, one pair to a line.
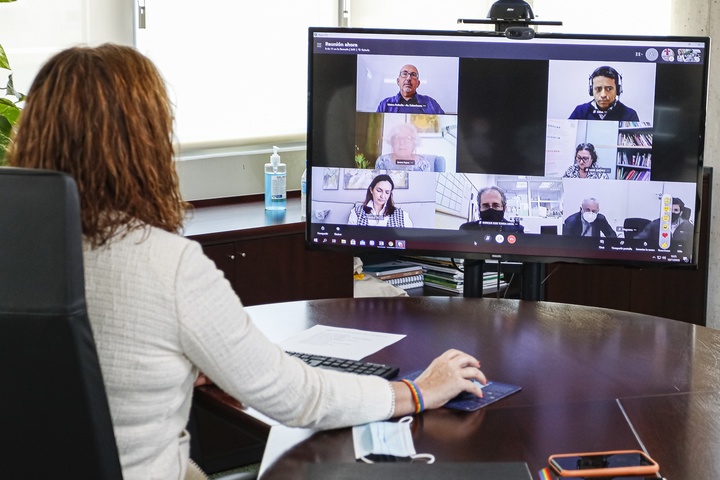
589,216
385,438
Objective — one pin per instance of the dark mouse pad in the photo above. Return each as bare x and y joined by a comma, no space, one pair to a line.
493,391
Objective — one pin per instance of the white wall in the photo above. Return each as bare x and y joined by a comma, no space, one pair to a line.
33,30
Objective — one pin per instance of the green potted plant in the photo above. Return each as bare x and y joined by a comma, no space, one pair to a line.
9,103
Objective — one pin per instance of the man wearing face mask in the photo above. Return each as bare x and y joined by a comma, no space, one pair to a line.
588,222
680,229
492,203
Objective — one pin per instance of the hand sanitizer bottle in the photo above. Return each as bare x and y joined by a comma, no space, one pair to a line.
275,183
303,192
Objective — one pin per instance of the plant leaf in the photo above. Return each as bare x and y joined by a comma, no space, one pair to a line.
3,58
9,111
5,128
11,89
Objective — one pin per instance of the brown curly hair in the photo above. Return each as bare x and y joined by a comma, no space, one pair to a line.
102,114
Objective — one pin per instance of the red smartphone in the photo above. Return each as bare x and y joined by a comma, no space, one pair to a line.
603,464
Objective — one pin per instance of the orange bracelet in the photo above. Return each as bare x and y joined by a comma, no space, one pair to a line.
416,395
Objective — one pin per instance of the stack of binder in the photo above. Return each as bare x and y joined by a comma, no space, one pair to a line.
442,273
405,275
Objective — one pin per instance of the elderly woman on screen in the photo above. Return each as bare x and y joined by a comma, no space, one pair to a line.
403,141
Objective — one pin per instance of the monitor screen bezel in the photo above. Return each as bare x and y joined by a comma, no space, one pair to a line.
540,257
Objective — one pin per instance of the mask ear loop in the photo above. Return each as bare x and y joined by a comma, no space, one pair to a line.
429,457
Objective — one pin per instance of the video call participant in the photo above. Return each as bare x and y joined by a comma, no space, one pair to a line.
681,230
585,165
379,209
160,310
605,86
403,141
492,203
588,222
408,100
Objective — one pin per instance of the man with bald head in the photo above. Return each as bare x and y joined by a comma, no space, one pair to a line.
408,100
588,222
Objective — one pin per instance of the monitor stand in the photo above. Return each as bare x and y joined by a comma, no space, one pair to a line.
531,277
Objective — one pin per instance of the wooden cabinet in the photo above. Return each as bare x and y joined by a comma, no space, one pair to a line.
278,268
264,256
224,257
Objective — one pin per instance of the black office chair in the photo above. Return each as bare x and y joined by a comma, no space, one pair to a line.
632,226
54,416
685,214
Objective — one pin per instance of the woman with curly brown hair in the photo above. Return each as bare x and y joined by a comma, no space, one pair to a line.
159,308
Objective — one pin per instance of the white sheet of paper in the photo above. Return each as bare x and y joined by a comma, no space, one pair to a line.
346,343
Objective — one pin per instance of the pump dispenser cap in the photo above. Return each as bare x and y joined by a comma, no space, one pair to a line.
275,158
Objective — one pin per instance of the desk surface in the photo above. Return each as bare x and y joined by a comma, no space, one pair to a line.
591,378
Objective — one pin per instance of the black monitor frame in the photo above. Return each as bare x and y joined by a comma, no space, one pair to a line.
331,137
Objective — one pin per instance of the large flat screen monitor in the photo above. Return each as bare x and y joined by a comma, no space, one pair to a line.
468,144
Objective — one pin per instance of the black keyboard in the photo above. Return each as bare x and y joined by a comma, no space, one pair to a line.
351,366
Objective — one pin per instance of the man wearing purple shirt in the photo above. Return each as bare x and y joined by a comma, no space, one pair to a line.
408,100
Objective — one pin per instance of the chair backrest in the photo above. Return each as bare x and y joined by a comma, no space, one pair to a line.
685,213
548,229
54,416
634,225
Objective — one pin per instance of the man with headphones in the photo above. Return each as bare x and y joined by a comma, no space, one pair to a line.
605,86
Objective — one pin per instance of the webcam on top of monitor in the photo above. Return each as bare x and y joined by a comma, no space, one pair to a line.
511,10
511,17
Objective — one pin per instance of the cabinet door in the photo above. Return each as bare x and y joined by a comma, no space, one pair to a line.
224,257
280,269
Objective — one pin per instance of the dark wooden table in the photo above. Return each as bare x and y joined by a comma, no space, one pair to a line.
591,378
